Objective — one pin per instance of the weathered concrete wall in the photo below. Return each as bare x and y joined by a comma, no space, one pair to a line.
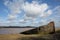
49,28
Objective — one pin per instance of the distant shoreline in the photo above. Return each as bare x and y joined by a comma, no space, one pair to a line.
18,27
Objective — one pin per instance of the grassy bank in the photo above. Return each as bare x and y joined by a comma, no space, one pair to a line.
55,36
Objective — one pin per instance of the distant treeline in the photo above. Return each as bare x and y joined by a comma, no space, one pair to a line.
17,27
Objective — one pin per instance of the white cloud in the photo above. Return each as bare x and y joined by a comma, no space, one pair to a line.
56,17
15,7
57,10
46,14
35,9
11,17
32,11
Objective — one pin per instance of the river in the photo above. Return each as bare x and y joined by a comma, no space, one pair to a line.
13,30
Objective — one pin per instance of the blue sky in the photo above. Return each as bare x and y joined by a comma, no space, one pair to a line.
29,12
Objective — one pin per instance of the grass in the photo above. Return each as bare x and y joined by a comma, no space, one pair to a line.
55,36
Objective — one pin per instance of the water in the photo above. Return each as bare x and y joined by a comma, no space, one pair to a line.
13,30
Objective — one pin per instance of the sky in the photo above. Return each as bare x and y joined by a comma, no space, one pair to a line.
29,12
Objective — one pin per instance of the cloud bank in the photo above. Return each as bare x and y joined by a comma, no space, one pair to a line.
32,12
